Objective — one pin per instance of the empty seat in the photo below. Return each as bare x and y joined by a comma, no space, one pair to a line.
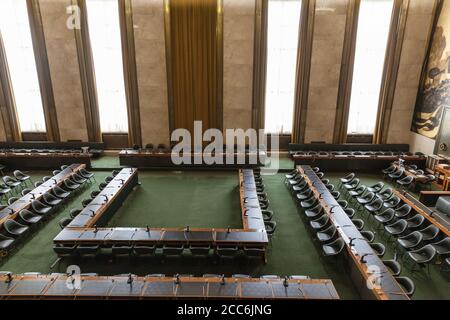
403,211
199,250
70,185
368,235
40,208
6,242
396,174
144,251
64,250
430,233
394,267
22,177
88,251
78,179
352,185
121,250
267,215
350,212
443,206
86,174
64,222
15,229
397,228
377,187
378,248
348,178
254,252
270,277
12,200
358,192
74,212
333,248
359,224
86,202
241,276
386,194
392,202
25,192
94,194
343,204
407,284
406,181
29,217
374,206
51,200
416,221
321,222
314,212
11,182
327,234
270,226
60,192
411,240
442,247
423,256
365,199
227,251
173,250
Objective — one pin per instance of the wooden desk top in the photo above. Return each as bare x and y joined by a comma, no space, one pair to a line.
11,211
441,168
119,287
420,208
388,288
45,154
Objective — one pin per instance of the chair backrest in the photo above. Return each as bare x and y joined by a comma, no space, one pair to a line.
443,205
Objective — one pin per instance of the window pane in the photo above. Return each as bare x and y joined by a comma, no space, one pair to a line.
282,41
105,39
371,41
16,33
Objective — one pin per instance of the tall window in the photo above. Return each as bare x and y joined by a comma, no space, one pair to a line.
16,34
105,39
282,41
371,42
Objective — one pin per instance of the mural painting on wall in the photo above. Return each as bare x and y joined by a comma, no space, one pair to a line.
434,91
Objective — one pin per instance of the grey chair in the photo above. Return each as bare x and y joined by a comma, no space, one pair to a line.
6,243
29,217
443,206
60,192
267,215
199,250
270,226
336,194
430,233
348,178
307,194
12,200
78,179
40,208
74,212
51,200
375,188
227,251
86,174
343,204
350,212
352,185
403,211
415,222
410,241
142,251
88,251
70,185
389,170
358,192
254,252
394,267
365,199
396,174
385,217
392,202
321,222
25,192
327,234
11,182
405,182
423,257
442,247
407,284
309,203
386,194
397,228
359,223
314,212
22,177
368,235
375,206
172,250
64,222
64,251
379,249
333,248
15,229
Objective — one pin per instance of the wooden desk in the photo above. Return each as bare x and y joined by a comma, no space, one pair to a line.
82,229
443,177
348,161
356,247
11,211
443,223
148,159
118,287
40,161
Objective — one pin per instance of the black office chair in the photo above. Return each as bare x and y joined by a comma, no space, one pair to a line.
423,257
394,267
415,222
374,207
343,204
350,212
29,217
336,194
51,200
352,185
359,224
40,208
64,222
142,251
88,251
411,240
71,186
320,223
386,194
12,200
26,191
365,199
307,194
309,203
22,177
199,250
78,179
389,170
347,179
429,233
6,243
254,252
358,192
405,182
121,250
403,211
314,212
392,202
56,172
11,182
60,192
442,247
396,174
86,174
270,226
397,228
172,250
375,188
102,186
15,229
407,284
74,212
334,248
327,234
267,215
368,235
379,249
86,202
227,251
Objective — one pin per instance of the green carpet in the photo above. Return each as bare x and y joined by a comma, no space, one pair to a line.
437,285
105,162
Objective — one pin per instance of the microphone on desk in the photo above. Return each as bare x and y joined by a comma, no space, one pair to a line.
351,242
106,197
95,229
8,277
431,213
12,211
228,229
286,282
177,279
363,256
55,181
130,279
187,229
222,280
148,229
335,206
92,213
123,181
